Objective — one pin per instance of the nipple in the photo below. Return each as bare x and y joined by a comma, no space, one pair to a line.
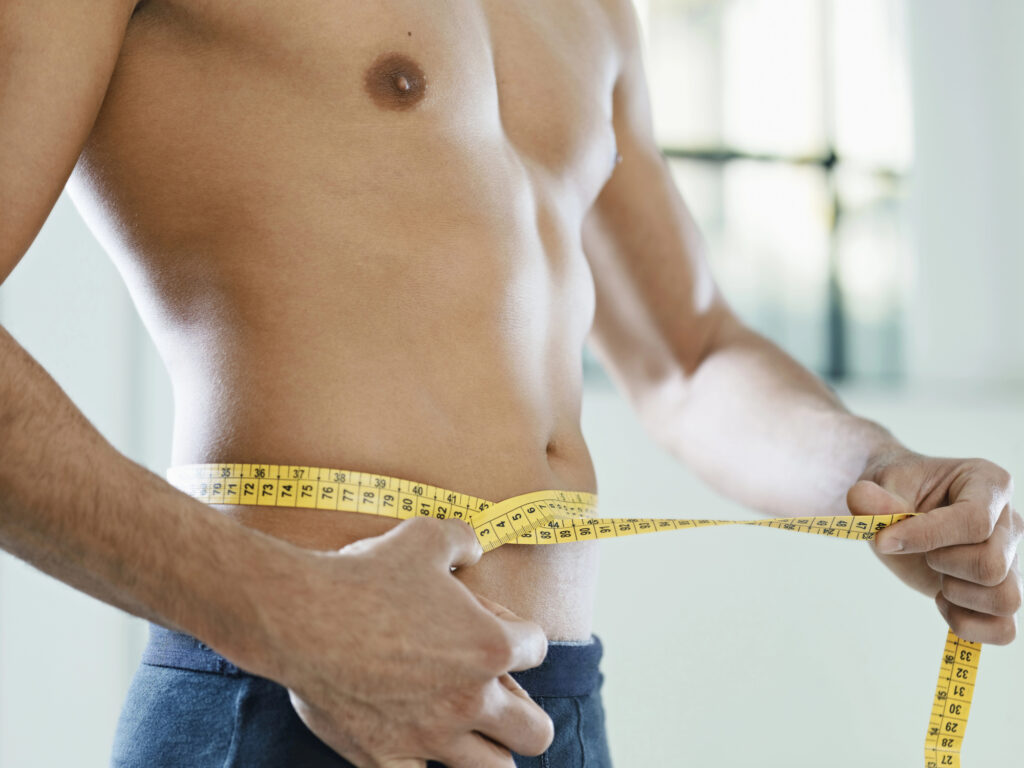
394,81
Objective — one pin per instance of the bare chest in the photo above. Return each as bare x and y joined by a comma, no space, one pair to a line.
539,74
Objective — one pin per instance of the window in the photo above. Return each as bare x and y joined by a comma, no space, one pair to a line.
787,128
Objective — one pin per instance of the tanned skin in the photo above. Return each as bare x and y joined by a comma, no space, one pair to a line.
376,236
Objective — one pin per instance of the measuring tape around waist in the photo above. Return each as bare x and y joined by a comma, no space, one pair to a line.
553,517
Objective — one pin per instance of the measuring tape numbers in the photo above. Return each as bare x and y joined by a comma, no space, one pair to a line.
553,517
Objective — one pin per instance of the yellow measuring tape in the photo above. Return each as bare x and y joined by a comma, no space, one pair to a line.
552,517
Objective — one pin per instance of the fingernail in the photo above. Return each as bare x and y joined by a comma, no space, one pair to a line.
890,545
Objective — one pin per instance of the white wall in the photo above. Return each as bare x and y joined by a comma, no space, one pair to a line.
967,191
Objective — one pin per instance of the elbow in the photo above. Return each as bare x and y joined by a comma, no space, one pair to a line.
659,408
662,403
718,327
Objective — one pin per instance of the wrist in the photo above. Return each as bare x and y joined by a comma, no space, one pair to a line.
882,449
250,596
279,598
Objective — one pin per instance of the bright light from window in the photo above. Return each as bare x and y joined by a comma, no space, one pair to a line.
772,76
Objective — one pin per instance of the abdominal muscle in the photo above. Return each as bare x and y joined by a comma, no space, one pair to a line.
451,361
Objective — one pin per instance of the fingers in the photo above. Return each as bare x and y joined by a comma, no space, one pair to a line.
527,643
1001,600
463,547
475,751
987,564
980,588
977,501
969,545
512,718
450,542
976,627
960,523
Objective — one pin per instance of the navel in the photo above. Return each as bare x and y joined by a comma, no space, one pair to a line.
395,81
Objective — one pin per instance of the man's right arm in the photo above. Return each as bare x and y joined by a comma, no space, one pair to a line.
70,504
320,623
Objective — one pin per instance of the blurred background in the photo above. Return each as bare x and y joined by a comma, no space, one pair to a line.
857,168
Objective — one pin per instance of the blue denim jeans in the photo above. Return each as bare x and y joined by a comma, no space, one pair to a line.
189,707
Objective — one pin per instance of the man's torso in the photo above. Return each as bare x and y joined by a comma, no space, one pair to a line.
353,230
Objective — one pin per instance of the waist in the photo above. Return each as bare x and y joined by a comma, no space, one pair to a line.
482,454
554,587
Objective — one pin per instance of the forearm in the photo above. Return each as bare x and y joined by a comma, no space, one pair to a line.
762,429
77,509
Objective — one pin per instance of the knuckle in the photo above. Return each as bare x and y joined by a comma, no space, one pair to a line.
541,646
979,525
466,704
1017,522
956,622
428,731
496,653
998,601
1011,603
1012,597
1005,480
421,526
433,739
427,530
991,568
462,530
1004,633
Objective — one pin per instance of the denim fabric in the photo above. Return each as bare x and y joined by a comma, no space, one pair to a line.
188,707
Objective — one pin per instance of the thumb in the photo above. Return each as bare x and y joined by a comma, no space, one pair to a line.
867,497
404,762
497,609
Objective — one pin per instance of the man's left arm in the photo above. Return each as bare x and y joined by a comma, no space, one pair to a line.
750,420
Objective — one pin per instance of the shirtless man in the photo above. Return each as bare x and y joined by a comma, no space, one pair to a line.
376,236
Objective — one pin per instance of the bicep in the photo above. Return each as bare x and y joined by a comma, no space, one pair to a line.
657,304
56,59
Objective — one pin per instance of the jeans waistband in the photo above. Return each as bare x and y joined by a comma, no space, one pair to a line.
569,669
